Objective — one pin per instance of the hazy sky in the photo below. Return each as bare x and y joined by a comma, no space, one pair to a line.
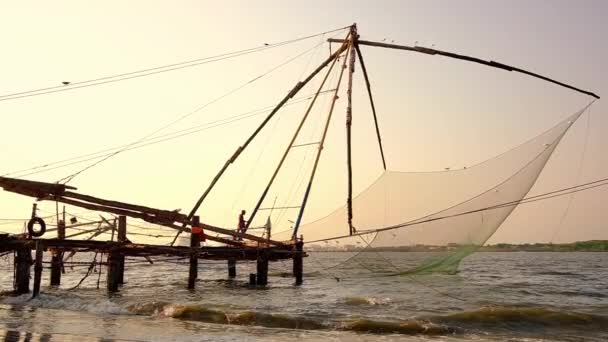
434,112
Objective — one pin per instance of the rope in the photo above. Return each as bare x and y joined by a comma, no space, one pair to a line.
531,199
578,176
151,141
152,71
69,178
88,272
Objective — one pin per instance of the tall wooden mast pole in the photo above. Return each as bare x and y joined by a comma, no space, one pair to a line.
349,122
293,139
320,148
241,148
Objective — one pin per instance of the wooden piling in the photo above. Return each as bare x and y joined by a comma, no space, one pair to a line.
252,280
232,268
298,262
116,260
195,242
57,256
262,268
38,268
112,273
23,262
121,237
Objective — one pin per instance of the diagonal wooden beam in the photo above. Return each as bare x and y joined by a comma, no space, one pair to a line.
493,64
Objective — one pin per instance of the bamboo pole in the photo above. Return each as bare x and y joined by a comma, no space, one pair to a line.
320,148
349,122
241,148
293,139
493,64
151,219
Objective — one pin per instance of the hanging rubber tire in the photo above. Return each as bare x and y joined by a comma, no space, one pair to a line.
32,223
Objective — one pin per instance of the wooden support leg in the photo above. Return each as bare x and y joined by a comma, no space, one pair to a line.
38,268
120,259
112,273
56,263
120,274
195,242
298,263
232,268
57,255
23,262
262,269
193,274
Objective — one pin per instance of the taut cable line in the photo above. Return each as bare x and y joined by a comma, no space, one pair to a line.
531,199
154,70
150,141
69,178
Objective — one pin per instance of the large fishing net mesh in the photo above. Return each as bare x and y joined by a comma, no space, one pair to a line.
406,212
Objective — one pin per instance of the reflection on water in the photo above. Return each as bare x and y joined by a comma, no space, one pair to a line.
17,336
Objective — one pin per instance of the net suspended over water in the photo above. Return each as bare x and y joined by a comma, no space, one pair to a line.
406,211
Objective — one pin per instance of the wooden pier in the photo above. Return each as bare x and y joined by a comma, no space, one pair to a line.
117,251
232,247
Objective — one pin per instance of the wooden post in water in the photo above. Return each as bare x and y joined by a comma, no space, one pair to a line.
57,256
231,268
23,262
298,261
113,268
116,261
121,237
195,242
38,268
262,268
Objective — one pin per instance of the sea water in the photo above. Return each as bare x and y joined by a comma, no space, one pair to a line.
514,296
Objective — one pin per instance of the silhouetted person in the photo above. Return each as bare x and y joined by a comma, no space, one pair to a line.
242,222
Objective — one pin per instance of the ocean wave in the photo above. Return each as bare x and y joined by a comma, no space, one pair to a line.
489,318
408,327
365,301
147,308
203,314
523,315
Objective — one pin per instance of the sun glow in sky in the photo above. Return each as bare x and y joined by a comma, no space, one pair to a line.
434,112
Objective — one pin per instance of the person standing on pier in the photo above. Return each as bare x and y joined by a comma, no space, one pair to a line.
242,223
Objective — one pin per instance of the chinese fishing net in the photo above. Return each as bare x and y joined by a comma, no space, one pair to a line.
406,212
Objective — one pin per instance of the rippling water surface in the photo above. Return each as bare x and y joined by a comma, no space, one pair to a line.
495,296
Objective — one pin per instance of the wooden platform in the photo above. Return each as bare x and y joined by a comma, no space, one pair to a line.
117,251
138,249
